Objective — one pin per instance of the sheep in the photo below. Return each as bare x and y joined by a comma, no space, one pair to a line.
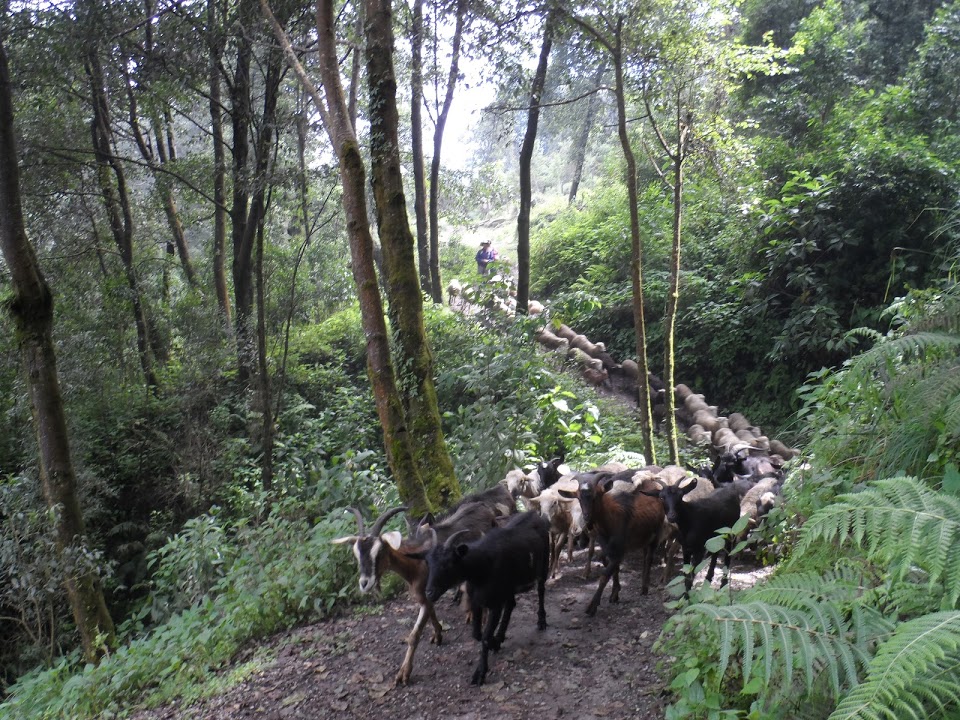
754,503
565,519
545,474
378,553
595,377
546,338
564,331
454,292
534,308
697,522
630,369
502,563
621,522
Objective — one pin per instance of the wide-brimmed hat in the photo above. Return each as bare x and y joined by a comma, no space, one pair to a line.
485,242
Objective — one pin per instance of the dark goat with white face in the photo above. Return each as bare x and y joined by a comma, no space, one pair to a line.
506,561
698,521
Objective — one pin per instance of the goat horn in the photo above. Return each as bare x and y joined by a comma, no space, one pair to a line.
359,519
449,542
382,520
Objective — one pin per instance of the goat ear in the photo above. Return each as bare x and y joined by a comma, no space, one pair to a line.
606,484
347,539
392,538
417,554
462,549
568,494
650,493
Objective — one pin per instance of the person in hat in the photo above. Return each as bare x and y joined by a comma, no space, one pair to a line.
485,255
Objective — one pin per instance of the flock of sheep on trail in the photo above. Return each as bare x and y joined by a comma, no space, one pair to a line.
491,551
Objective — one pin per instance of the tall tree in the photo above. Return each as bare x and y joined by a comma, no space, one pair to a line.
441,112
31,307
416,144
401,281
579,148
526,159
335,115
215,42
608,32
115,193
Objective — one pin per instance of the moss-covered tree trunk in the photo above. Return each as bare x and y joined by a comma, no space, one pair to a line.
336,119
526,160
31,307
401,279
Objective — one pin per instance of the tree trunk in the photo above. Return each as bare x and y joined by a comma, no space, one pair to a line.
583,137
334,112
116,203
636,263
31,308
526,158
416,141
214,25
250,184
401,280
266,404
673,296
436,290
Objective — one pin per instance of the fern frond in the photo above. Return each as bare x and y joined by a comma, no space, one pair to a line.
817,638
916,670
907,347
794,590
898,522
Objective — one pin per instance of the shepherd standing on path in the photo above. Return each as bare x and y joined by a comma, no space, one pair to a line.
485,255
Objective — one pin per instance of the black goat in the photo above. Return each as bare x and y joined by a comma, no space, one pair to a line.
505,561
731,466
698,521
621,522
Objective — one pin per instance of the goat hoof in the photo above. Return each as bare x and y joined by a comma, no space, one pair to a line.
541,625
591,610
478,678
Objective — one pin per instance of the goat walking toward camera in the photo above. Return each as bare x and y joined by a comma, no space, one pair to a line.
378,553
506,561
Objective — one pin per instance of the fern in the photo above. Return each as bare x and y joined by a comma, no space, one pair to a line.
916,670
817,638
898,522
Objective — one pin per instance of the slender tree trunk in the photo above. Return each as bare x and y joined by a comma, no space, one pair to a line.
250,183
673,296
167,153
526,159
401,280
266,404
336,119
241,117
436,289
31,308
636,263
117,205
214,28
416,140
583,137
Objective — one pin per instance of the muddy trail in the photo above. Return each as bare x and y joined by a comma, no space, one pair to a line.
579,667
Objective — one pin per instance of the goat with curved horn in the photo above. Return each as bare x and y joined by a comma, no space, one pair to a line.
378,552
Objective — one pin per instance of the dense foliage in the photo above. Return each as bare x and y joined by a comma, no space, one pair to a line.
820,253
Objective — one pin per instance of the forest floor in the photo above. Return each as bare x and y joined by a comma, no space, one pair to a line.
579,667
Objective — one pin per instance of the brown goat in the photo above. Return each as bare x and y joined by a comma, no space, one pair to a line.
621,522
377,554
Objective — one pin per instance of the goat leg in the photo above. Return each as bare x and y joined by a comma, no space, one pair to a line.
615,592
480,674
501,633
647,567
541,611
426,611
595,602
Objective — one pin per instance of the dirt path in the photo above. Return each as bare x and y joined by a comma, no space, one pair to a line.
580,667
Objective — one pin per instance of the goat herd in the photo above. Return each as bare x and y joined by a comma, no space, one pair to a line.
490,551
